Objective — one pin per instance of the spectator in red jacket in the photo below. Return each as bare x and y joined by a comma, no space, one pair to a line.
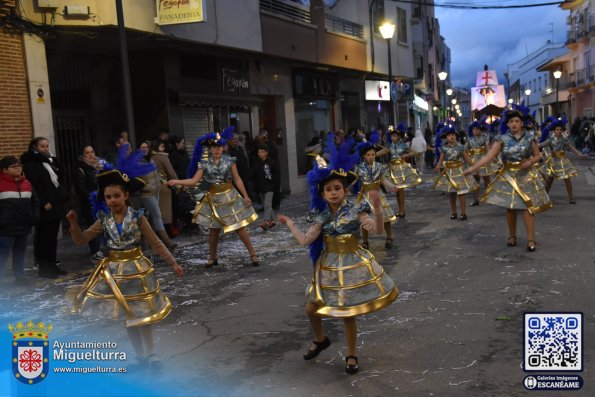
19,211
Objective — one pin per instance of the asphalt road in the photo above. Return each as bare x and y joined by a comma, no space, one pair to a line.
455,330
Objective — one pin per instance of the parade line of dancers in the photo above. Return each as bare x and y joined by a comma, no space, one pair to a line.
346,196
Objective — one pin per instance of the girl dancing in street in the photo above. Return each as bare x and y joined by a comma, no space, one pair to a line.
557,165
400,172
450,166
347,279
222,207
517,186
372,175
477,145
124,284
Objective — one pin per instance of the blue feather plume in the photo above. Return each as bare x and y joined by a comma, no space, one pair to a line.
97,206
130,164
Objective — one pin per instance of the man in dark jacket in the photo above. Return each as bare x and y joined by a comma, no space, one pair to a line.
265,175
41,170
19,211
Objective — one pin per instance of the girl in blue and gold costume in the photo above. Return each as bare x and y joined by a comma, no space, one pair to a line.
477,146
347,280
124,285
222,207
371,175
517,186
557,165
451,179
399,171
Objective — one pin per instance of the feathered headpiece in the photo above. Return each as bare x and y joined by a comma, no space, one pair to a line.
201,148
481,124
546,127
127,172
561,122
401,130
448,129
339,167
362,147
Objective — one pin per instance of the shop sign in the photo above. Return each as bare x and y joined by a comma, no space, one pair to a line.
234,81
171,12
377,90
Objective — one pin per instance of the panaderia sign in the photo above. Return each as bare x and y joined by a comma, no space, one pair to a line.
170,12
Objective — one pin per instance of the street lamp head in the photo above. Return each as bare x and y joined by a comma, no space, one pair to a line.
454,101
528,91
449,92
557,74
387,30
510,100
442,75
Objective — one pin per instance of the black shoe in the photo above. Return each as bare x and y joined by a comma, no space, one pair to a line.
400,215
320,346
59,271
511,241
463,217
211,263
388,243
531,246
254,260
365,245
453,215
351,368
473,204
572,202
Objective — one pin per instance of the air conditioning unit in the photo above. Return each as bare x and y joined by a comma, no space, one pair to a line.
48,3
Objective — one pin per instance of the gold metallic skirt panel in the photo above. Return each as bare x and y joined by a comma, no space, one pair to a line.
123,286
489,169
223,207
387,212
348,281
559,166
402,174
518,189
452,180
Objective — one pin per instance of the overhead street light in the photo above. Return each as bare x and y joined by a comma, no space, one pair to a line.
557,75
387,30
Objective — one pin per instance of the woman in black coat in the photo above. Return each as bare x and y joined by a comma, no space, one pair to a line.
41,169
85,183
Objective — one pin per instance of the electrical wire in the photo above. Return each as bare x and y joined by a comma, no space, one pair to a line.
471,6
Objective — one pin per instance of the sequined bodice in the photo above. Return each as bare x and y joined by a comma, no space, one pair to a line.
452,153
131,233
344,221
477,142
397,149
370,173
514,150
559,144
217,173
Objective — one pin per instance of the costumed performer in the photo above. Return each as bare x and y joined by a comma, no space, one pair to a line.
347,280
450,166
399,171
222,207
557,165
372,175
124,285
477,145
517,186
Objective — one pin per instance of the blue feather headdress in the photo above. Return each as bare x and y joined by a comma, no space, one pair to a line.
481,124
546,127
362,147
127,172
401,130
561,122
201,147
339,167
520,111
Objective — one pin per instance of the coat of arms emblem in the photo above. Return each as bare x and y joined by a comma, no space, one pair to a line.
30,351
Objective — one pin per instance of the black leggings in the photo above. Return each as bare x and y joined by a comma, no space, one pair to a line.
46,243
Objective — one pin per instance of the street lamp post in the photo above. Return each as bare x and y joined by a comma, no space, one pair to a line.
557,75
442,76
387,30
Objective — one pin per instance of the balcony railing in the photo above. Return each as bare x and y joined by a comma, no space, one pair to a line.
584,76
340,25
287,9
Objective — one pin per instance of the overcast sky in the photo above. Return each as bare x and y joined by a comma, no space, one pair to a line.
496,37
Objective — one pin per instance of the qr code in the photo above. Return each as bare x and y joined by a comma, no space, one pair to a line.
553,342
